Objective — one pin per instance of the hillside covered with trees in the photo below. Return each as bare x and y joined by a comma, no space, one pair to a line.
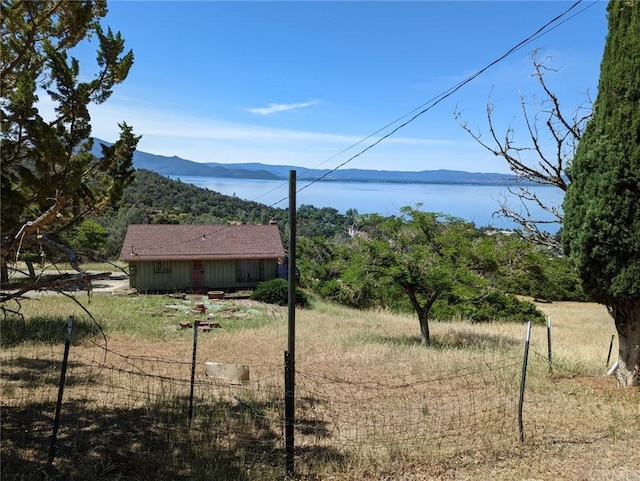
349,259
154,199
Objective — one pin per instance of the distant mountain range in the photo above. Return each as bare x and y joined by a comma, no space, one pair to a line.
176,167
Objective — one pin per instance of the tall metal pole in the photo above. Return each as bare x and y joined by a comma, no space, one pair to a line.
290,360
291,345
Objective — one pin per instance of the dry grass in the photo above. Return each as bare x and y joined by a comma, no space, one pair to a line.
371,402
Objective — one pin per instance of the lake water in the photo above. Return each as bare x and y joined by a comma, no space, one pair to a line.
470,202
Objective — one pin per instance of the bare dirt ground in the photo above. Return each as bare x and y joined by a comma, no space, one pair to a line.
116,283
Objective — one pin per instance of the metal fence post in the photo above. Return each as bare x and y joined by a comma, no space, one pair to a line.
610,349
63,375
523,380
549,343
196,324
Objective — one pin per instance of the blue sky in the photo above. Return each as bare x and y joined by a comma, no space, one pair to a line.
299,83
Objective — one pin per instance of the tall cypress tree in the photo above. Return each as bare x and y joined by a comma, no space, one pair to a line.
602,203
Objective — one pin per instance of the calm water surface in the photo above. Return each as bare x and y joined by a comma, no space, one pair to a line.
470,202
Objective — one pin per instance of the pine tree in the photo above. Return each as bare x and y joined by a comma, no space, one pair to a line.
50,180
602,205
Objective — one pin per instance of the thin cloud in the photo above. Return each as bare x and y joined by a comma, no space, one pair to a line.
203,139
164,124
275,107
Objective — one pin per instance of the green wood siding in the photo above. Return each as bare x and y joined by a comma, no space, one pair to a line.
219,274
226,274
142,276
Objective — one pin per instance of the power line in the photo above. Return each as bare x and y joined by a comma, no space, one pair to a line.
425,107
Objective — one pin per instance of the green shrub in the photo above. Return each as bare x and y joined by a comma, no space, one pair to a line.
276,291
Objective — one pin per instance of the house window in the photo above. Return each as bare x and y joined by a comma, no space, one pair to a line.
162,266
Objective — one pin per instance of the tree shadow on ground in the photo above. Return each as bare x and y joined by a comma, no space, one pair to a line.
35,373
42,329
151,440
453,339
472,340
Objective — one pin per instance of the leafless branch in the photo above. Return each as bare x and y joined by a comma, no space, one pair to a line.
550,167
11,245
59,284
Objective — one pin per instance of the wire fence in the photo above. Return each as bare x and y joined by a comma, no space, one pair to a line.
442,413
129,413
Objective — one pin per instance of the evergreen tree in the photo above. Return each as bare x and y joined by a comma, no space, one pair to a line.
50,180
602,204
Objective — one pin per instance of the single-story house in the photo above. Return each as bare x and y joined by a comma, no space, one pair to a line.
201,257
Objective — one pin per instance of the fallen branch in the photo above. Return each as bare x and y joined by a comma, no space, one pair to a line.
15,291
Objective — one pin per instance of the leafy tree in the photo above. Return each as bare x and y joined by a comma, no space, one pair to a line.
497,266
324,222
498,306
528,269
602,205
88,235
424,254
316,259
50,179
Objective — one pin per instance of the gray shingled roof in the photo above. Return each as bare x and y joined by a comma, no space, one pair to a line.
202,242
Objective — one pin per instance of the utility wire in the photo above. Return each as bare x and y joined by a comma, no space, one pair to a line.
425,107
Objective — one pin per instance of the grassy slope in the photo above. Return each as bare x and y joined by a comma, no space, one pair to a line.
578,425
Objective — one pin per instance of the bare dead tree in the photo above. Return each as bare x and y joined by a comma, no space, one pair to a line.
544,121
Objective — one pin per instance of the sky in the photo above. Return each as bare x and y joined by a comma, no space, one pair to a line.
315,83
